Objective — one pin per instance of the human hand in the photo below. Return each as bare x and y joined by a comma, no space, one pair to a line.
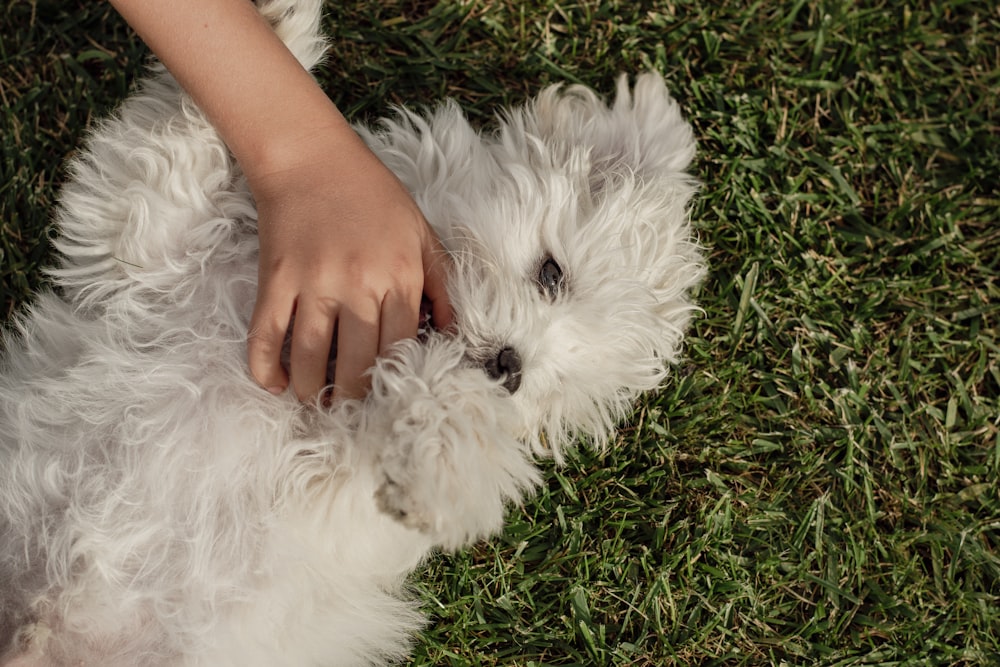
346,252
343,247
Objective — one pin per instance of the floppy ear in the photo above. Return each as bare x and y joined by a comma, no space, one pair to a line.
642,134
633,154
435,152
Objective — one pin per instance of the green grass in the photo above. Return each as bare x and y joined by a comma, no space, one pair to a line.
818,482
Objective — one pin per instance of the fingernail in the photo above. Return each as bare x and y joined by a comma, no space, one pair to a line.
276,390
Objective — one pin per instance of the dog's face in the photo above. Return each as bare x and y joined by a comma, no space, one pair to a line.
568,228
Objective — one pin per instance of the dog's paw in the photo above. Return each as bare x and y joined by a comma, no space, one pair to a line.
394,500
447,460
417,485
454,492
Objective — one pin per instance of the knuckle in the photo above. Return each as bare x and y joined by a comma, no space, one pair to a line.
312,340
265,339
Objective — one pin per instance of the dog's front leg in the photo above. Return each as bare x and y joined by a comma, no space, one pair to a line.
445,435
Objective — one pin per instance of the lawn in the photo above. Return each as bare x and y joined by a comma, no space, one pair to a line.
817,483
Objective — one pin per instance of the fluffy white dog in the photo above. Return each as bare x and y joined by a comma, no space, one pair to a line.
158,508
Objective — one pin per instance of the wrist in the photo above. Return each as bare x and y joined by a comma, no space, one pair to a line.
294,142
264,104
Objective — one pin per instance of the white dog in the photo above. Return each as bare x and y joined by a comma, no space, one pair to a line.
159,508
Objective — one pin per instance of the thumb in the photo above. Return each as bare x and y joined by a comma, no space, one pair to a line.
437,270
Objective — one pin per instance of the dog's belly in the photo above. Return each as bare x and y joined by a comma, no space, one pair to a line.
157,507
180,510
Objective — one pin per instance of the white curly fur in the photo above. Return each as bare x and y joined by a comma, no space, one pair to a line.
158,508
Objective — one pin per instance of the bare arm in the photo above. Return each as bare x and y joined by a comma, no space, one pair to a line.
342,242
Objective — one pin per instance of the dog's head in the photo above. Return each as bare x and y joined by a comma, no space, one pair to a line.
573,254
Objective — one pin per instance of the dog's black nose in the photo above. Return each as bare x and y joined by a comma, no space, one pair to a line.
505,366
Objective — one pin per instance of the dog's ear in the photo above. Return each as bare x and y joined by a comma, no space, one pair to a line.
642,134
434,153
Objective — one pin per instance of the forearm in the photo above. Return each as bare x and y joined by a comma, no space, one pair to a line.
253,90
343,246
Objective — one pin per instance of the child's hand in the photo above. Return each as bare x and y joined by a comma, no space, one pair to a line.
344,248
346,251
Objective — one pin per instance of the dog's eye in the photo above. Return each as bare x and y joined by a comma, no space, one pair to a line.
550,278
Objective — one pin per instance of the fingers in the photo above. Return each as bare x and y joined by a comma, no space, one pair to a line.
365,328
437,267
268,325
400,318
358,277
357,346
311,338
